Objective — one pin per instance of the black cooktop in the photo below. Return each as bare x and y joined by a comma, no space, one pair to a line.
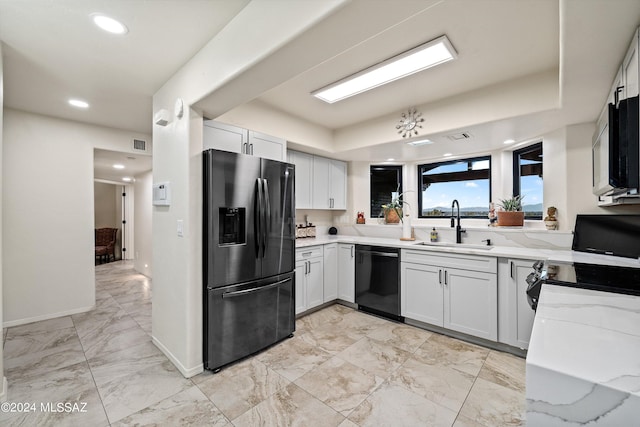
607,278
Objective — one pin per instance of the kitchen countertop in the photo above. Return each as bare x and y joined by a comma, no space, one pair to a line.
552,255
583,364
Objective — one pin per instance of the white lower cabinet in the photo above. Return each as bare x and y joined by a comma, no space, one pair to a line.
309,278
434,290
330,272
514,313
347,272
421,293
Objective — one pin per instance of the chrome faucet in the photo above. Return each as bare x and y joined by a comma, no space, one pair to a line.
459,230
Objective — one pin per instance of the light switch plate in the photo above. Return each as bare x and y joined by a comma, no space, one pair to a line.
180,228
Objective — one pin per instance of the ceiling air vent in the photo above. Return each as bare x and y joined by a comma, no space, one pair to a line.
459,136
139,145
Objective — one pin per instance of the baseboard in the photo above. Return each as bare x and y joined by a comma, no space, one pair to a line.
186,372
19,322
5,386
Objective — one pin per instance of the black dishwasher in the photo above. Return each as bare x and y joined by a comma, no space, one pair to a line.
378,280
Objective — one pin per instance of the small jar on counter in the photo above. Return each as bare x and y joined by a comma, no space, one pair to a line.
301,232
311,230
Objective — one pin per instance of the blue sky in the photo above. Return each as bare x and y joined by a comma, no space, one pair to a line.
474,193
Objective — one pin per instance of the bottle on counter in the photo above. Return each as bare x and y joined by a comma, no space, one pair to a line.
434,235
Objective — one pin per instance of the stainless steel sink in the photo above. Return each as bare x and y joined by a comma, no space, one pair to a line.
455,245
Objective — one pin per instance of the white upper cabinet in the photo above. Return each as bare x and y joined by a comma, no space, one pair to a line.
267,146
338,184
321,183
329,184
630,69
225,137
221,136
304,178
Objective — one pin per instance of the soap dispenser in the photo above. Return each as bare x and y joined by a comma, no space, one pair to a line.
434,235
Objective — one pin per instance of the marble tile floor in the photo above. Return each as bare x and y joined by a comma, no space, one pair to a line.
342,368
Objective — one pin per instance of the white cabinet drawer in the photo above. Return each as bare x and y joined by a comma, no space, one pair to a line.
309,252
486,264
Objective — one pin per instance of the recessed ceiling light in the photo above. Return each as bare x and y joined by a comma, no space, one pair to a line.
118,166
78,103
420,142
509,141
447,154
390,160
126,179
109,24
420,58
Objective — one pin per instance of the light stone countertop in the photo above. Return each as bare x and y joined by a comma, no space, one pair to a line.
583,364
552,255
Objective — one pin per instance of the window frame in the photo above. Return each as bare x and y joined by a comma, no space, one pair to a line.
516,172
449,162
397,168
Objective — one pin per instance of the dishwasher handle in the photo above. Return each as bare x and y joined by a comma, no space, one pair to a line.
376,253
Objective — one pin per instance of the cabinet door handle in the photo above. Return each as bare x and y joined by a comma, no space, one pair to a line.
440,277
352,248
445,278
511,273
309,266
251,146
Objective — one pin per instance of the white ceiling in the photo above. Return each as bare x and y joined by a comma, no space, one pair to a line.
496,40
52,52
134,164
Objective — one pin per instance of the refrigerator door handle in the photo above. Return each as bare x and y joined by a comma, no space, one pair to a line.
259,214
267,210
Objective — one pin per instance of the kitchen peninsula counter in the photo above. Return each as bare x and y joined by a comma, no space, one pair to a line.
583,364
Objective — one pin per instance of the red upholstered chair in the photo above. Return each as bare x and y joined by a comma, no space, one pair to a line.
106,244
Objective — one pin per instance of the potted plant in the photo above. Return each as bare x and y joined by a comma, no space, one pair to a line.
511,214
393,211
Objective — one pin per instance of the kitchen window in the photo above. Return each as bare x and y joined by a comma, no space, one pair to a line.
527,179
386,181
467,180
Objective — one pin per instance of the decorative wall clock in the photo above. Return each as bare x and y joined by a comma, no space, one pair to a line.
409,123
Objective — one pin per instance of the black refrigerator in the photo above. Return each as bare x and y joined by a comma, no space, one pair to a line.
248,255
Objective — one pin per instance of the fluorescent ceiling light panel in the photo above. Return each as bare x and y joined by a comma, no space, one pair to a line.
420,58
118,166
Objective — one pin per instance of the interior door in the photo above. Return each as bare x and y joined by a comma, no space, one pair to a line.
230,218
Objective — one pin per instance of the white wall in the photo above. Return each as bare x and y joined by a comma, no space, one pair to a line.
3,390
260,117
142,223
48,238
177,261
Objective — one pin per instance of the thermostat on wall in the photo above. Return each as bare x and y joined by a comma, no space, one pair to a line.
161,194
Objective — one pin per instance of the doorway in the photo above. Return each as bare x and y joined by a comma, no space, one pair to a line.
115,176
